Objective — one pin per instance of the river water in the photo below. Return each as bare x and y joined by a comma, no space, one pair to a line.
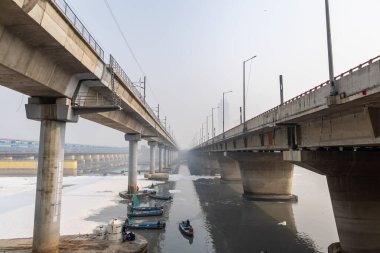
224,222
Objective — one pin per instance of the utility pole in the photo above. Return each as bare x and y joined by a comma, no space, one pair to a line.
212,121
144,88
281,90
244,109
223,109
333,90
241,119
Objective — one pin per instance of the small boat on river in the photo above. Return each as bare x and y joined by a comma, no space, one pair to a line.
145,213
147,225
161,197
186,228
145,208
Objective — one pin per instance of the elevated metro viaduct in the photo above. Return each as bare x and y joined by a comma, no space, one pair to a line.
337,136
48,54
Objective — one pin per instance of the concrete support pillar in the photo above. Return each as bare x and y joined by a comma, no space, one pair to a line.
53,114
353,179
152,144
165,164
265,176
160,163
229,168
132,166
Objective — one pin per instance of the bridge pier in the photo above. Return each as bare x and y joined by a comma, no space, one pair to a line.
265,176
53,114
229,168
132,165
152,145
160,164
353,179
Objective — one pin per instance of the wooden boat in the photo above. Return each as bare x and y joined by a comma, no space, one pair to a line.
147,225
154,196
145,208
188,231
145,213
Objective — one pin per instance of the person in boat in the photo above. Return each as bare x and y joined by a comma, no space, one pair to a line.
187,223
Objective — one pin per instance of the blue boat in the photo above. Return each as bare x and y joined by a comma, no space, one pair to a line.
147,225
154,196
145,213
186,229
145,208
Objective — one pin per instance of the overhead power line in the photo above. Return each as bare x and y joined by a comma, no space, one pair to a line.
128,45
124,38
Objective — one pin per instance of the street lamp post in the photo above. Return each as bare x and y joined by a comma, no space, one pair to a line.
245,127
207,132
223,109
333,90
212,121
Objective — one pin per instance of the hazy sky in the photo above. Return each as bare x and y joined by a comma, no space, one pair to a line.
192,51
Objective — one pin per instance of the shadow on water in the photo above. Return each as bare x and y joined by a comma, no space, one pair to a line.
238,225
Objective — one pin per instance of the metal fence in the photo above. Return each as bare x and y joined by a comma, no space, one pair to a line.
116,68
74,20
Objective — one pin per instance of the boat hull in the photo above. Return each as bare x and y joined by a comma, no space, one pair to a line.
146,226
160,197
145,213
185,230
146,208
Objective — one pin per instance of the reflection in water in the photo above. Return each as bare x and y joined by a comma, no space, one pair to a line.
238,225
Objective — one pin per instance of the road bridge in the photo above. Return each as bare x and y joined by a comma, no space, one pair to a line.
337,136
48,54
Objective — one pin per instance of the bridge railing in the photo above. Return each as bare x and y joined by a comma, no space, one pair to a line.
74,20
78,25
124,77
236,131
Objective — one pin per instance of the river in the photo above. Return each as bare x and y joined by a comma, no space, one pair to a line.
223,221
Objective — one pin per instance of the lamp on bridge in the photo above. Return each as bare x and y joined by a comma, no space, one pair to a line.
225,92
212,121
245,126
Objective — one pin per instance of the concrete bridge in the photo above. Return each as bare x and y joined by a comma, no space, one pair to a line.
20,157
337,136
48,54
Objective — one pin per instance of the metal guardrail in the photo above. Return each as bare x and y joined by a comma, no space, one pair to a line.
294,99
116,68
340,76
74,20
83,99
